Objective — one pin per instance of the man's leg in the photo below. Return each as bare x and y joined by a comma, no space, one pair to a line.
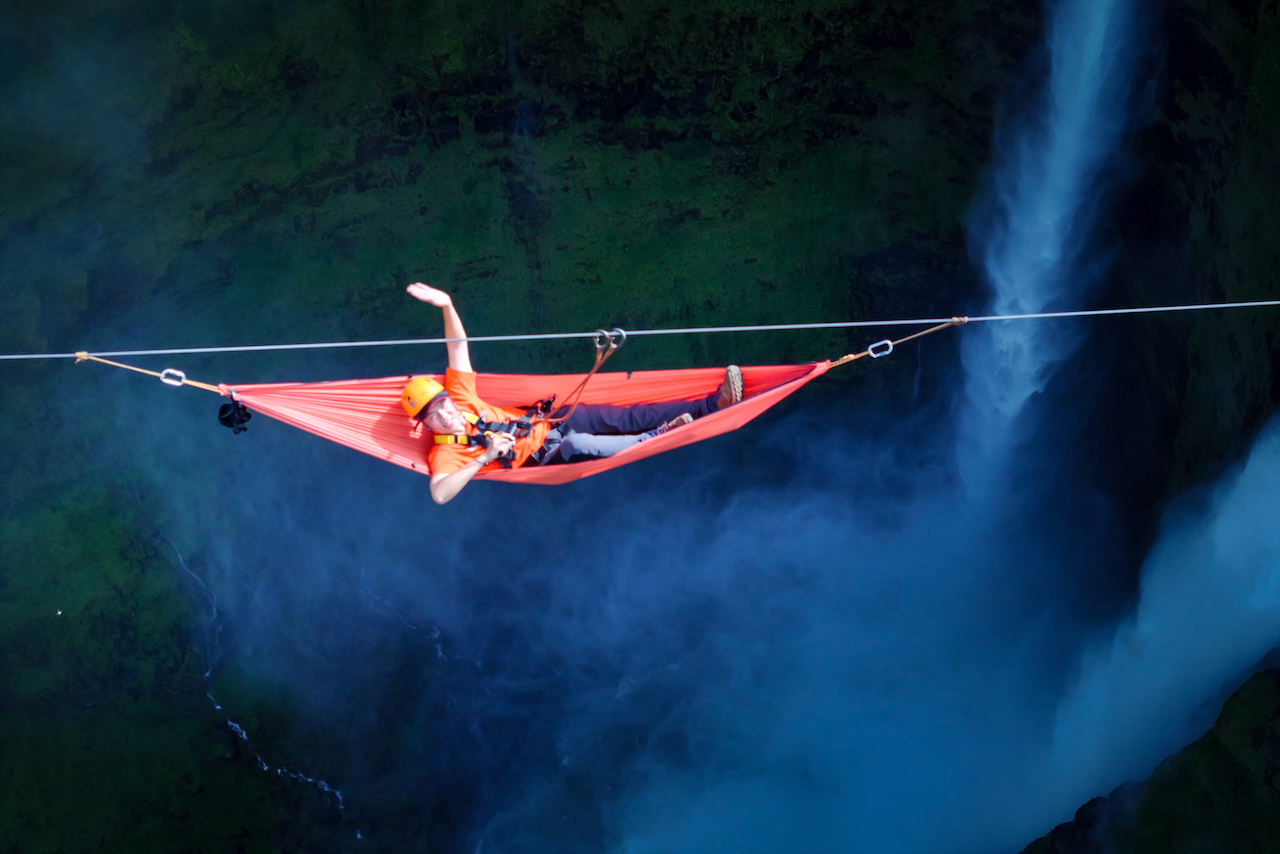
577,447
606,419
602,430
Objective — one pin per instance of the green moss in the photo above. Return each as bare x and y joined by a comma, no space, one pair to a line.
130,776
104,730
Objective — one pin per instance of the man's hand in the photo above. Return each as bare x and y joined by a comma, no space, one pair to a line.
499,444
459,355
429,295
445,487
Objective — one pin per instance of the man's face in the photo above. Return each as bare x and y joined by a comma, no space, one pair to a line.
444,417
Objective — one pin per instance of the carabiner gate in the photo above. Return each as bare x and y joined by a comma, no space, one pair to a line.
880,349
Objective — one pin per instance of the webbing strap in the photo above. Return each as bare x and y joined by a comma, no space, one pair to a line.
169,376
607,344
883,348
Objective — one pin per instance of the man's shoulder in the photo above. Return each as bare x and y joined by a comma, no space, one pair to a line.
459,382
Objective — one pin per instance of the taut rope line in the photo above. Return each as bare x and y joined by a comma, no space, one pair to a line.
168,376
550,336
607,344
885,347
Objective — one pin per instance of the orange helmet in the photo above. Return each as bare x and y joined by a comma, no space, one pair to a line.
418,394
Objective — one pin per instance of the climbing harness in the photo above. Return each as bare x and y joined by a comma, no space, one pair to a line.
606,343
484,433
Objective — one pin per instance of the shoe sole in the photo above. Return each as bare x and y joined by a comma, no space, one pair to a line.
733,378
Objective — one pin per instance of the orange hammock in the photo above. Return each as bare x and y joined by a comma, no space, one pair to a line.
366,414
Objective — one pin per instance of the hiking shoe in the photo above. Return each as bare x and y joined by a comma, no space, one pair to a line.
678,421
731,389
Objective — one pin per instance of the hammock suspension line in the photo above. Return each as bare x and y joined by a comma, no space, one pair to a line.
552,336
606,343
354,412
169,376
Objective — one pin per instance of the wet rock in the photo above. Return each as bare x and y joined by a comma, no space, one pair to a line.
1221,793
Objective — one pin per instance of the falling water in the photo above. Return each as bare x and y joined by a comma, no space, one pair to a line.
1035,239
1209,611
1209,593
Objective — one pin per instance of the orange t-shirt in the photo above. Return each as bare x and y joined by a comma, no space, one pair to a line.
446,459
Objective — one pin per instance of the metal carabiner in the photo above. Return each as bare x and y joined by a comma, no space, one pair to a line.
607,342
875,353
173,377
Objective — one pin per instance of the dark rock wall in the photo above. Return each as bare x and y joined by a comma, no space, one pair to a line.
1197,226
1220,794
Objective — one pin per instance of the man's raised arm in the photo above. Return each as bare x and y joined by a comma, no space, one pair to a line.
459,355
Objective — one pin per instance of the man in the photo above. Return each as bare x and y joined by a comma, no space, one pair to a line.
591,432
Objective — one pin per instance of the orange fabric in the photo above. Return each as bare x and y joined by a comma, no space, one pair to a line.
446,459
366,414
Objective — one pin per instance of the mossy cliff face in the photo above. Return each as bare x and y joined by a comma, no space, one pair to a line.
556,165
1198,227
108,741
228,173
1220,794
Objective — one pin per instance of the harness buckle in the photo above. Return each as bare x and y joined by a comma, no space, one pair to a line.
483,438
173,377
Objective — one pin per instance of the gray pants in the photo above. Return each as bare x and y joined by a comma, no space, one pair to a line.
601,429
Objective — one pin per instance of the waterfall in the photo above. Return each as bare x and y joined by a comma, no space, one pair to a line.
1034,229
